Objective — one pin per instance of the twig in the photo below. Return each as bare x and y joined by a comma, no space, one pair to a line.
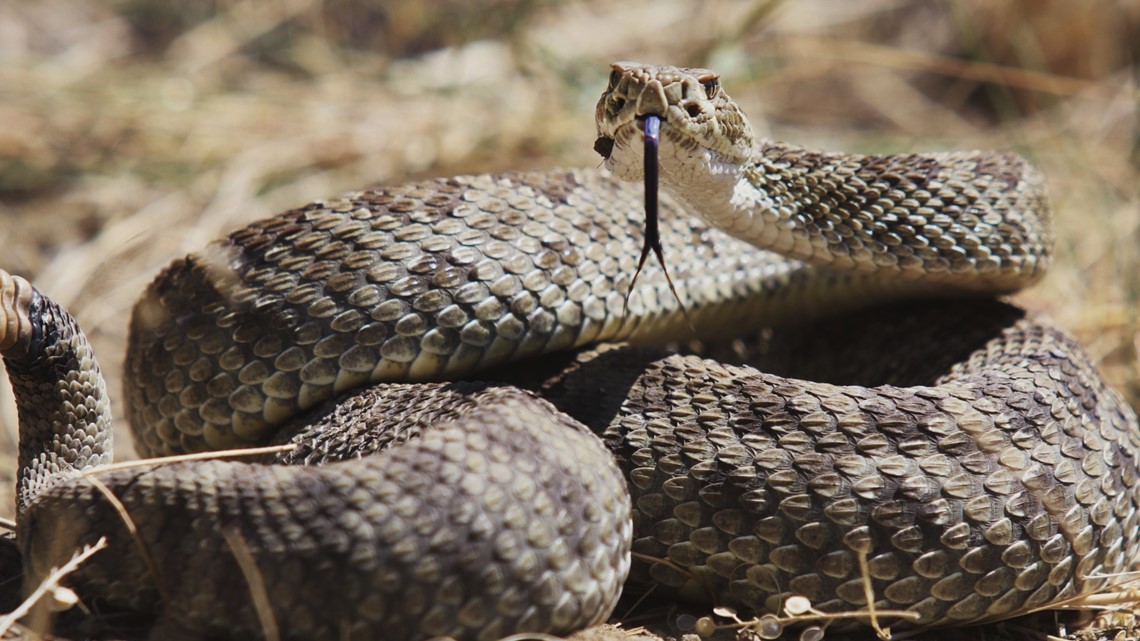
49,584
866,53
869,595
256,582
133,530
182,458
677,568
640,599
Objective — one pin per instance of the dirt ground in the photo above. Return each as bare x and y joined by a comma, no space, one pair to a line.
134,131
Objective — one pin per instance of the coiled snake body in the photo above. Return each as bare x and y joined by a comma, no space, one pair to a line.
977,460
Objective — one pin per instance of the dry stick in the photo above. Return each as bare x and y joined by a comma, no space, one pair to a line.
124,515
182,458
133,530
1100,601
1118,594
872,613
869,595
206,44
8,524
1095,601
755,21
256,582
237,545
860,52
49,584
633,606
816,615
677,568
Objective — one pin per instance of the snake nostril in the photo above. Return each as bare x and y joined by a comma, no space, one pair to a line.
619,104
693,109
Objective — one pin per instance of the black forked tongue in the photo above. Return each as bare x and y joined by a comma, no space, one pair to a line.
652,232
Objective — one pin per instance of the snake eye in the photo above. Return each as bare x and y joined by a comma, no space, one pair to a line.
711,85
615,77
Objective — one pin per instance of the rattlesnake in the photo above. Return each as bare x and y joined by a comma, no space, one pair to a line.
986,472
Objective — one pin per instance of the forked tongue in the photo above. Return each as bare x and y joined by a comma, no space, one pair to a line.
652,233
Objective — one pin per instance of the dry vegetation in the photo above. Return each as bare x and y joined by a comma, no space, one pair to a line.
133,131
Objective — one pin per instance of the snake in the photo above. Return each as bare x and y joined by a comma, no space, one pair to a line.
484,428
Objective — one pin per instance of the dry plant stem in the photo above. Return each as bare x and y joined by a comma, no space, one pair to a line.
1101,601
894,57
8,524
49,584
855,614
197,456
677,568
1118,595
133,530
633,606
1134,574
256,582
869,595
829,616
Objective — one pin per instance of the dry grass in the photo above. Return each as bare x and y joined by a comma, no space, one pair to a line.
134,131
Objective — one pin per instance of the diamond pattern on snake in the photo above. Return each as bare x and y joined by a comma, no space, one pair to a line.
967,451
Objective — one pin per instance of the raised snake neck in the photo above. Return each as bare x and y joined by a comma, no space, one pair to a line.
1006,479
975,220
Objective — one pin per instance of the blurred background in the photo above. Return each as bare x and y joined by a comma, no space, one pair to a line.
134,131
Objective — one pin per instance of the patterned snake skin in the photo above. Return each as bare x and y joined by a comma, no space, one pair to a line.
972,453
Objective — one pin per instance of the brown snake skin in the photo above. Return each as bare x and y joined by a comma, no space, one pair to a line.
971,453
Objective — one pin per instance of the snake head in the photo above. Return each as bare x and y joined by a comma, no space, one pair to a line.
702,129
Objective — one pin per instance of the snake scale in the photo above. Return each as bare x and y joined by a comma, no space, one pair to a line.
968,451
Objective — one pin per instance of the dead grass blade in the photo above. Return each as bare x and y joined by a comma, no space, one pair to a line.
124,514
256,582
850,51
133,530
49,584
182,458
869,595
